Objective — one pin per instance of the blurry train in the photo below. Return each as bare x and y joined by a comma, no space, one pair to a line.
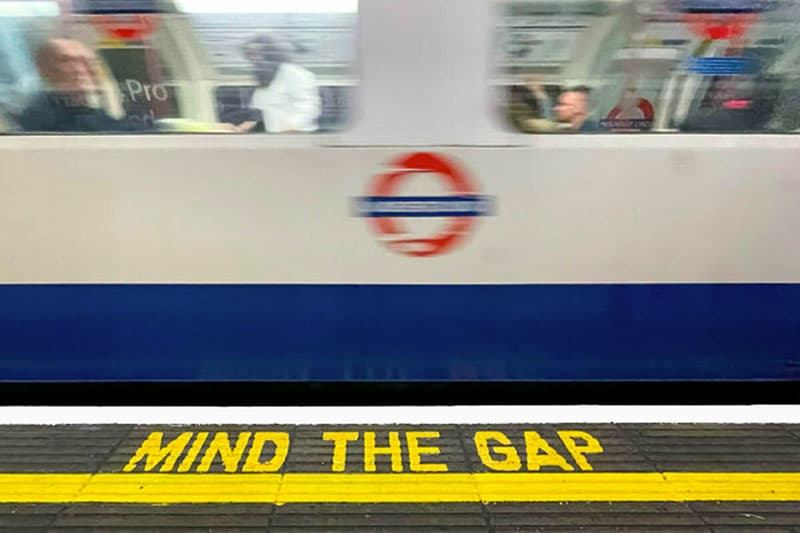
451,218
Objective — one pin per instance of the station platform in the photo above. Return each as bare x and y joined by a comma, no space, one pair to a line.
489,477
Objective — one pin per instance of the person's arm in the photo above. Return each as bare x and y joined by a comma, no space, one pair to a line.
37,117
542,99
245,127
539,125
241,120
301,110
306,104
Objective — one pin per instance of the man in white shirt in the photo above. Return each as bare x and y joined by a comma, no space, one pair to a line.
287,95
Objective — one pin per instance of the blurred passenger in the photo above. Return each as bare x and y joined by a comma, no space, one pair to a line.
287,95
530,108
723,89
572,113
69,104
748,112
574,108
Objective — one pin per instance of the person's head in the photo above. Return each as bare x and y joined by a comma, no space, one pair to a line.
573,106
724,88
67,66
766,97
266,54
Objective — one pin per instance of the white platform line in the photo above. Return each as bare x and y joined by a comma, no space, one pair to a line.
487,415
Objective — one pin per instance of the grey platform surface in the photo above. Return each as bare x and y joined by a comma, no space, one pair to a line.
627,448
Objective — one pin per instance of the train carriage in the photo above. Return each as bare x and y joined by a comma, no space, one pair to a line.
421,233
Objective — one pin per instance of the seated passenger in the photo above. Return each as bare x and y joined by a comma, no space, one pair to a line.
571,114
287,95
743,114
574,108
67,105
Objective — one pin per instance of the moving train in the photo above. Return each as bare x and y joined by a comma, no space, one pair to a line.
417,235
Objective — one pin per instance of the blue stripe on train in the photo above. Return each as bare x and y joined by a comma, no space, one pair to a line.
417,332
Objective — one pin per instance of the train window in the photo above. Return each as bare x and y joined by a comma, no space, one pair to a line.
728,66
148,66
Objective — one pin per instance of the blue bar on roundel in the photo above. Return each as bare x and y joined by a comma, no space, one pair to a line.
424,206
723,6
113,7
722,66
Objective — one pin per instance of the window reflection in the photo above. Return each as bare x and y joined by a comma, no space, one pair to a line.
239,66
651,65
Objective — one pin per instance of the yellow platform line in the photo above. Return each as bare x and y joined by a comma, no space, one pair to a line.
397,488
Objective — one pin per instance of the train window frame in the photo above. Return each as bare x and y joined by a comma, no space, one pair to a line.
507,77
345,76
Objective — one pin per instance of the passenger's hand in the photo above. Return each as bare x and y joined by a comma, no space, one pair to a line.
535,86
246,127
539,125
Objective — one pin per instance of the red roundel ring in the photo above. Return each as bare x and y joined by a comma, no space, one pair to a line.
127,27
386,185
644,105
720,26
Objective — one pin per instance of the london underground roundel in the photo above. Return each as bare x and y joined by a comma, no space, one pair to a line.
127,27
721,26
633,115
389,211
722,19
